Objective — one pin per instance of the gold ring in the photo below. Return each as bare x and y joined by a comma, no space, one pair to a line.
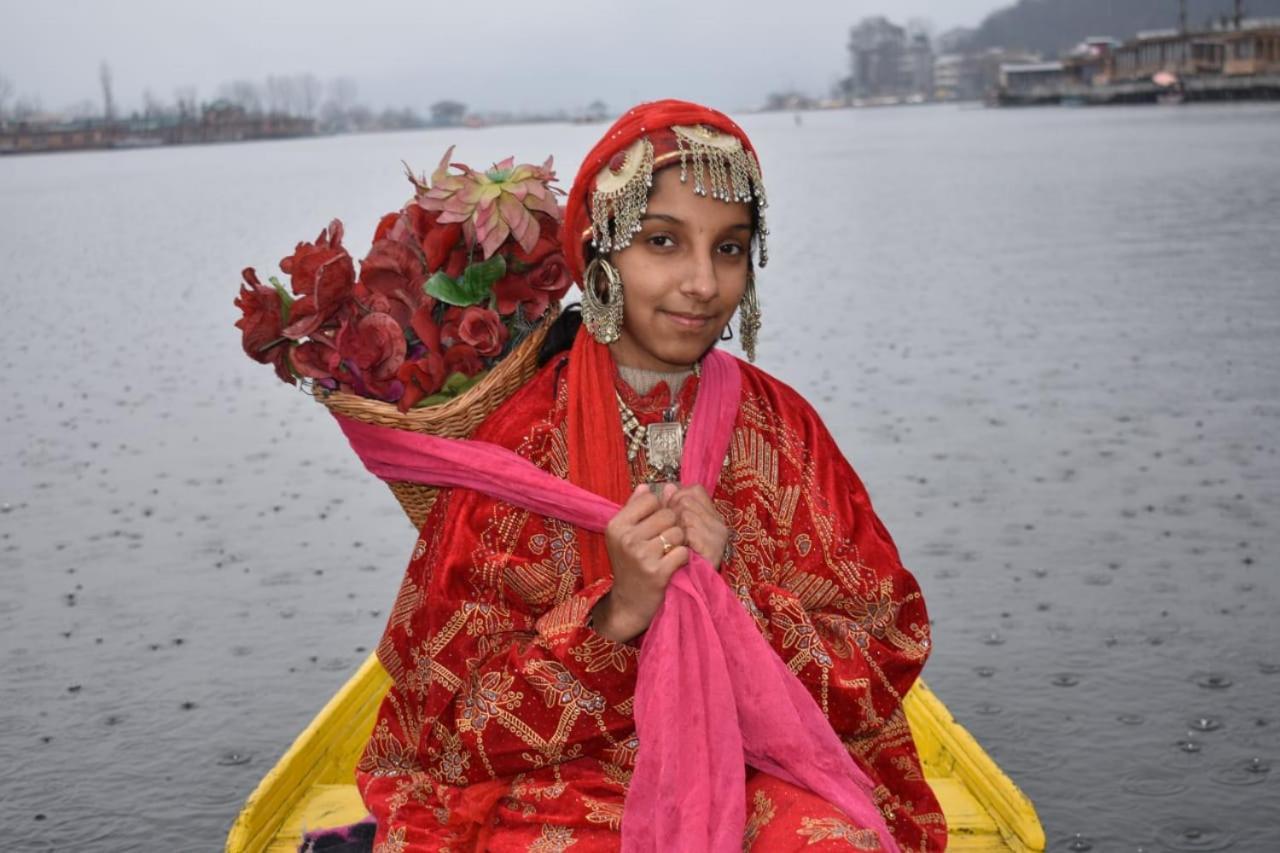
666,546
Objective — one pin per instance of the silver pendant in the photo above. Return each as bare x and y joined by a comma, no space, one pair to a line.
665,446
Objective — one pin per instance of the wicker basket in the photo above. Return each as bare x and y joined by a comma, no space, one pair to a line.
457,418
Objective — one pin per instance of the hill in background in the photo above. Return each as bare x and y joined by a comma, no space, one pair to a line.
1051,27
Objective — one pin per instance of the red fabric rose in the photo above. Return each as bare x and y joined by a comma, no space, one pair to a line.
551,276
421,378
440,244
483,329
372,350
328,299
414,223
261,334
462,358
395,270
385,224
449,326
516,289
308,259
424,324
548,242
315,359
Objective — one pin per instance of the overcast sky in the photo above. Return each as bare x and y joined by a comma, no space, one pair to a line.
490,54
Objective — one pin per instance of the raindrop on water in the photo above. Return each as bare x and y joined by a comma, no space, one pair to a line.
1193,837
1205,724
1250,772
1080,843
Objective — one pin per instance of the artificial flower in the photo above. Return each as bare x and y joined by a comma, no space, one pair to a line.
372,349
492,205
421,378
463,358
262,324
483,329
551,276
322,275
515,290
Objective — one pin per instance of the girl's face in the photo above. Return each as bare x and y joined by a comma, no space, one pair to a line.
682,276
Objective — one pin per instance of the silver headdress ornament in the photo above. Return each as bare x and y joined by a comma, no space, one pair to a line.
721,167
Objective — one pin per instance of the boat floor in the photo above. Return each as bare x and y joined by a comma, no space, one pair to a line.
312,786
969,825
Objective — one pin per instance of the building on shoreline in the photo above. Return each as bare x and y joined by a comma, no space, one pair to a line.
220,121
888,64
1159,66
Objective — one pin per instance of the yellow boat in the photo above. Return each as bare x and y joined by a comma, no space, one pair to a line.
312,785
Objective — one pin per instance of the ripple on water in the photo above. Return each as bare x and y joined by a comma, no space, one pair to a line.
1257,733
1204,724
1029,760
234,758
1194,837
1078,843
1212,680
1189,745
1239,773
1154,782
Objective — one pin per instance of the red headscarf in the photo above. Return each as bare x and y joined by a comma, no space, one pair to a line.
640,120
597,455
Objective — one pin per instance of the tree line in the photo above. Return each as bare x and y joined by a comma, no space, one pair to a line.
332,104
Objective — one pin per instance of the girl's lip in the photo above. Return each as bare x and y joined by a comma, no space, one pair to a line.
689,321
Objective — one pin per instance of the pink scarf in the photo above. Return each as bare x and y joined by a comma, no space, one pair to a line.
712,696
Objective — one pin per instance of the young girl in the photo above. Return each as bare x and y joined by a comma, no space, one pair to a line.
514,639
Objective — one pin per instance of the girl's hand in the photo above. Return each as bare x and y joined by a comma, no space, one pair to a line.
642,564
705,531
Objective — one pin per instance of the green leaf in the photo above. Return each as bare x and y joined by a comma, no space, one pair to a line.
454,382
454,386
286,299
433,400
475,285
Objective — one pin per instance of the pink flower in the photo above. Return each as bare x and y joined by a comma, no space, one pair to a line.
492,205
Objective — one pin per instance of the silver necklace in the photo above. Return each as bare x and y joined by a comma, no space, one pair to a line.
663,441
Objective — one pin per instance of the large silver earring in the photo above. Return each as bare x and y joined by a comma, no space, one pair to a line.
602,319
749,318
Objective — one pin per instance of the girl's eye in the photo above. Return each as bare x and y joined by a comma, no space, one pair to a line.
656,239
731,248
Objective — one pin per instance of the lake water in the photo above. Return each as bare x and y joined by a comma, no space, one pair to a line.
1046,339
